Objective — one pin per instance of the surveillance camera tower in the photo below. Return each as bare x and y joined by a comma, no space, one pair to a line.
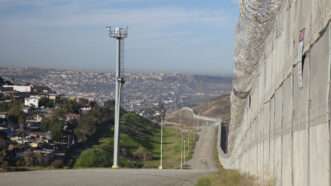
118,33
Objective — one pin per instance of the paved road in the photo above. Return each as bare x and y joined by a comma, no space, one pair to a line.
203,157
102,177
202,164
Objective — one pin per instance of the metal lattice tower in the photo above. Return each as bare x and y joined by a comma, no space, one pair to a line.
119,34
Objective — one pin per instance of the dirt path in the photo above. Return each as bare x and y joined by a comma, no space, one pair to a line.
203,157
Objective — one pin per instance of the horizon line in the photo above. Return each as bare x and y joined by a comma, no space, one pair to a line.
113,71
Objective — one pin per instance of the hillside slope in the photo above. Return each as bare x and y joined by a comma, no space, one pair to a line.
136,144
215,108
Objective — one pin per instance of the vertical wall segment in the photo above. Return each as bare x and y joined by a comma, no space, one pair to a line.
284,132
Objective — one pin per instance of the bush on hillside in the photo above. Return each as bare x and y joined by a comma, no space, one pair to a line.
142,154
94,157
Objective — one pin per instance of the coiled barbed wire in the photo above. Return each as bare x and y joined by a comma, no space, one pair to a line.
255,24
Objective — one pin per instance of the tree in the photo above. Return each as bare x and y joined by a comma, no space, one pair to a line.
94,157
68,106
56,128
72,106
86,127
4,82
142,154
55,125
46,102
3,152
4,107
15,113
109,104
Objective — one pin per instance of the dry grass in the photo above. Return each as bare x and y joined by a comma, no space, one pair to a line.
230,178
172,149
225,177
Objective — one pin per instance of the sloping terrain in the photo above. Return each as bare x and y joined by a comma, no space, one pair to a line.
182,117
136,144
215,108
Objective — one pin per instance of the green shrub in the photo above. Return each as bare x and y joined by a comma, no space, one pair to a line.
142,154
94,157
204,182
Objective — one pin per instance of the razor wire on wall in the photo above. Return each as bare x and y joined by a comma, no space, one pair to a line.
255,23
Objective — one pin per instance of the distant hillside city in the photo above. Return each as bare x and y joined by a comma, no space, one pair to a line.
142,91
62,118
40,128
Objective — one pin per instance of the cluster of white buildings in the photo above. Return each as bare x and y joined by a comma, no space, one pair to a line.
20,88
32,101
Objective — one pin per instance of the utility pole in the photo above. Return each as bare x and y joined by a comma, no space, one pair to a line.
181,151
190,133
184,148
188,142
181,142
119,34
162,116
161,146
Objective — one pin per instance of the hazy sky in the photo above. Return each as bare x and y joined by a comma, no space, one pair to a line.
190,36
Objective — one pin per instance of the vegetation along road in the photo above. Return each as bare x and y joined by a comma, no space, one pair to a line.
202,164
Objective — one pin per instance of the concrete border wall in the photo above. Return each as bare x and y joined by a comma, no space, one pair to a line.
285,131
